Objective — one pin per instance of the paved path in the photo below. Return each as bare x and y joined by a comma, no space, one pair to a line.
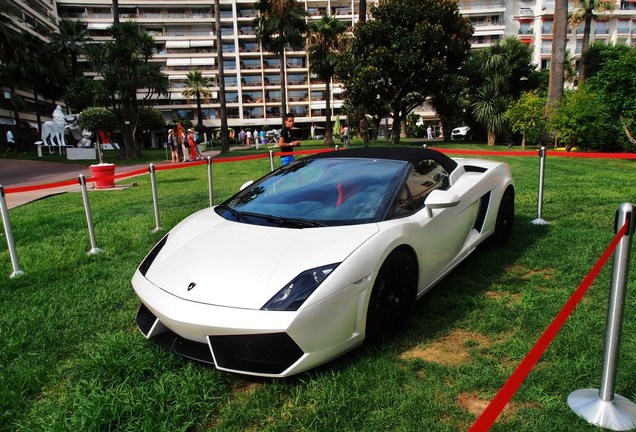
19,172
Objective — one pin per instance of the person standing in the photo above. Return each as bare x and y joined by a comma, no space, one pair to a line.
183,144
429,132
10,141
286,141
344,132
174,148
192,145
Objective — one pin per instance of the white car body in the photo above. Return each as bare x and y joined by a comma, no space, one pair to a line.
204,287
461,132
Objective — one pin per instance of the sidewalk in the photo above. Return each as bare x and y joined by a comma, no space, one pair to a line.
18,173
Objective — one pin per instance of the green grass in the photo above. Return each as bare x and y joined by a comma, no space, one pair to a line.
72,360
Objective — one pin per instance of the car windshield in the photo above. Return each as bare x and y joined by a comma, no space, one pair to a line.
318,192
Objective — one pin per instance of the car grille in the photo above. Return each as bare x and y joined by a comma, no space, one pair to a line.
270,353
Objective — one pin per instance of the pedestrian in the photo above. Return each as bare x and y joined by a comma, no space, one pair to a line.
429,132
344,133
192,145
183,144
248,138
263,137
10,141
196,147
286,142
242,137
174,147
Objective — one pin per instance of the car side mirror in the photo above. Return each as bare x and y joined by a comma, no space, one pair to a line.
246,184
440,199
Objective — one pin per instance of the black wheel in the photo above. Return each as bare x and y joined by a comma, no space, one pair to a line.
505,218
393,297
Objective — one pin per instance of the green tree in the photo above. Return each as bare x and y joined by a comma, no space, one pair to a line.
326,39
525,116
616,83
599,53
130,80
197,87
70,43
586,10
95,119
582,120
400,56
281,24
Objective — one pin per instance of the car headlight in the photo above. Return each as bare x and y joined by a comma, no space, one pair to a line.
294,294
145,264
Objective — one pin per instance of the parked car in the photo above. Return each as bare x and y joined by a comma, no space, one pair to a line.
318,256
462,132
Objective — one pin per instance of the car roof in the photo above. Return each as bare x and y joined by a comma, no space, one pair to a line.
414,155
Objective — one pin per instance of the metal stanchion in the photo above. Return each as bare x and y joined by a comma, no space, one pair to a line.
9,234
155,201
271,160
539,220
602,407
425,146
89,218
336,147
210,181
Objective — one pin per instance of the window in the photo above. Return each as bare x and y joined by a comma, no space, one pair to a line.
427,176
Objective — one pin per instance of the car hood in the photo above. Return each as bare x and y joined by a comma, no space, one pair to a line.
227,263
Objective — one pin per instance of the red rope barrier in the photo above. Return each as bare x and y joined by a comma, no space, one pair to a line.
306,152
510,387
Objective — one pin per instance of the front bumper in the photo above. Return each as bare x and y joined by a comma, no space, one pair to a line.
253,342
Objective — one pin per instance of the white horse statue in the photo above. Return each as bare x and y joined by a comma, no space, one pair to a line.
53,131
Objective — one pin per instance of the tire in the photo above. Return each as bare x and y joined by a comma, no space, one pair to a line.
393,297
505,218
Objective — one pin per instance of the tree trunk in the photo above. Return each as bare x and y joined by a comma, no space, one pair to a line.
587,30
225,142
492,137
362,11
557,78
329,131
199,112
283,87
115,11
523,140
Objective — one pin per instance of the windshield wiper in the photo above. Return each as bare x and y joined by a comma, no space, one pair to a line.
237,214
286,222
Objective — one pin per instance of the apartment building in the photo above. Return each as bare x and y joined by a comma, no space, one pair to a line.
184,32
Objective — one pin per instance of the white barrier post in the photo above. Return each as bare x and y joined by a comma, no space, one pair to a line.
539,220
271,160
211,191
336,147
9,234
602,407
89,218
155,201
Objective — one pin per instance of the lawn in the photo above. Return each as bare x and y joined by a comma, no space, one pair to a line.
72,358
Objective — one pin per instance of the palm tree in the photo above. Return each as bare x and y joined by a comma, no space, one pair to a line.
197,87
225,144
493,96
281,24
325,41
70,43
584,14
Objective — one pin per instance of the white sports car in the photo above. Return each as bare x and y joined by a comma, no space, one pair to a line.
312,259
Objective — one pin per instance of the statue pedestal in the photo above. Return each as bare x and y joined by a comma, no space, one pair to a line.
103,175
73,153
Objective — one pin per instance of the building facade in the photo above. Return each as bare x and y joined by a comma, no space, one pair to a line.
184,32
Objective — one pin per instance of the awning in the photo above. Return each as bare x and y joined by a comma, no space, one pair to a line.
202,43
34,125
178,62
488,32
177,44
177,77
203,61
318,105
98,26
